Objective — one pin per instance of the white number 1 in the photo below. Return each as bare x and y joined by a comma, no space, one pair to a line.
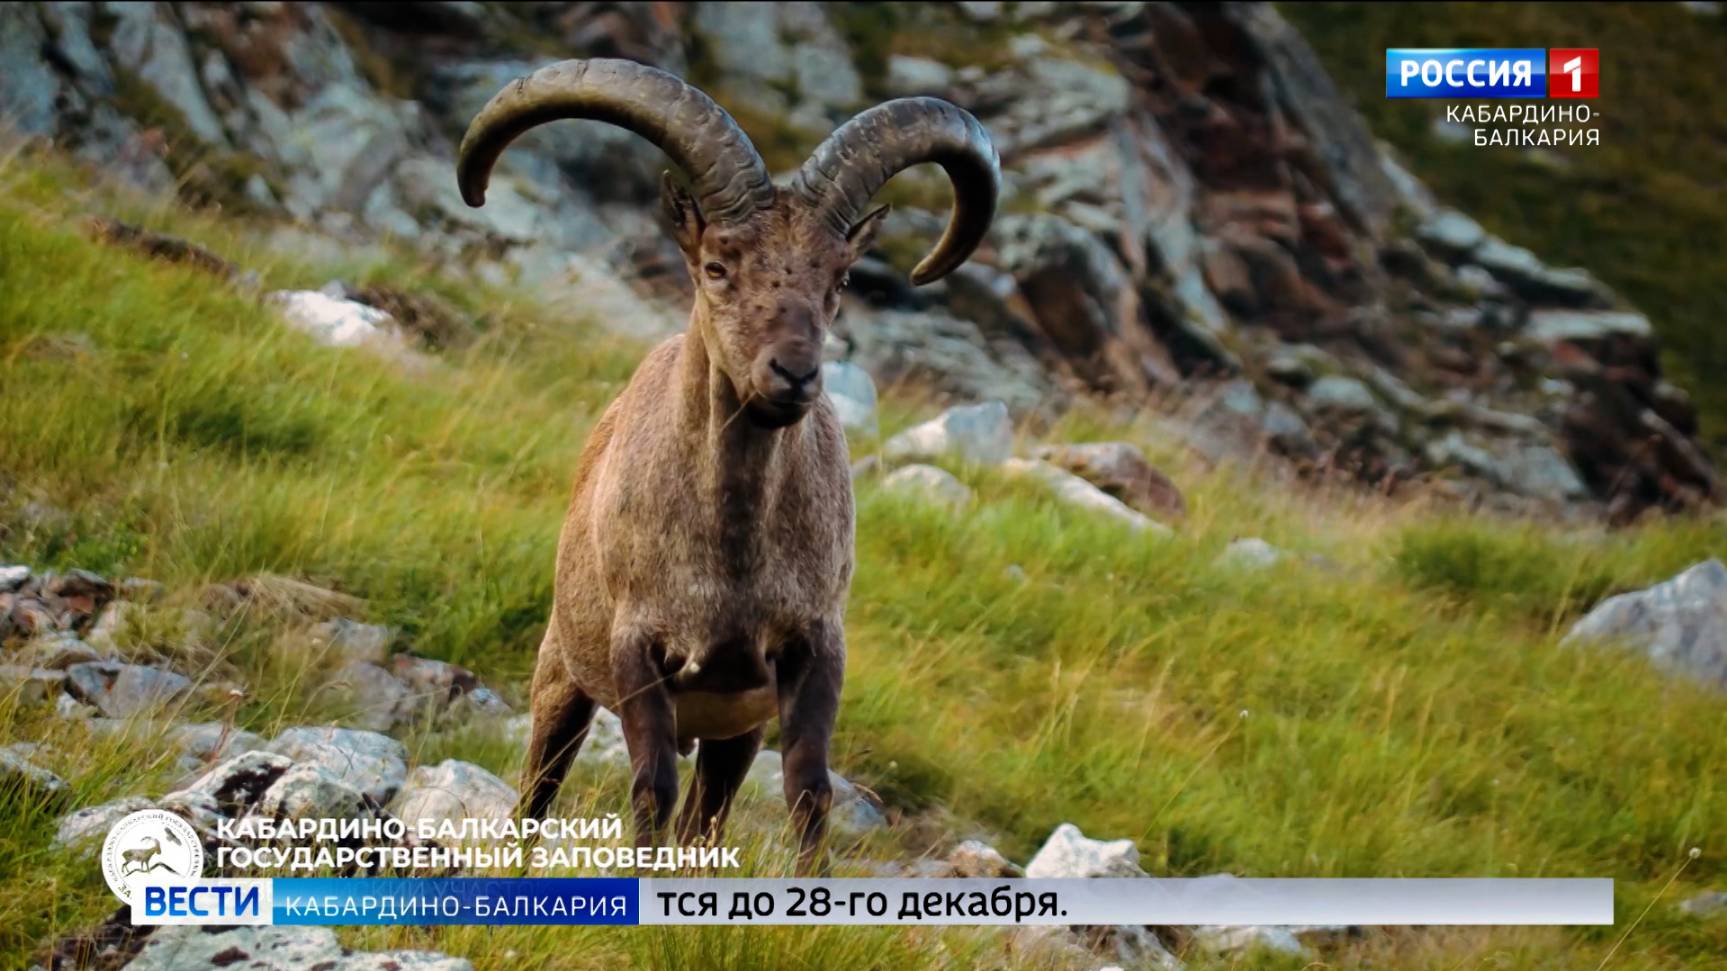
1574,67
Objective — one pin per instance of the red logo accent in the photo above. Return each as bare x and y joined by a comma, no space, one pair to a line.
1573,72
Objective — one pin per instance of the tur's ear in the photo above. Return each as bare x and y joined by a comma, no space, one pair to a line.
862,234
682,214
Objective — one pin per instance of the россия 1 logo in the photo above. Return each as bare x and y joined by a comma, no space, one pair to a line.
1492,72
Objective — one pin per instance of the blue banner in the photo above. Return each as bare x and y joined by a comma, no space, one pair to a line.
1466,72
455,900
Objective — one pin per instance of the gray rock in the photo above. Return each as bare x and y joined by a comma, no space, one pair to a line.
1710,903
765,51
975,858
114,626
1452,232
1523,272
31,686
1553,326
86,828
274,949
309,791
1250,553
1075,491
1680,623
930,484
379,699
1242,940
353,641
156,52
453,790
124,690
1286,430
371,763
1120,469
912,76
980,434
854,813
1339,393
438,688
852,394
236,785
207,743
13,577
18,773
938,348
1070,853
1541,472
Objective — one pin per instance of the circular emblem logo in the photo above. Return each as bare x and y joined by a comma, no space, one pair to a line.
150,846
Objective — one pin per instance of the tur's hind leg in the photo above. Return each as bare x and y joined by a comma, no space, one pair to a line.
562,713
721,765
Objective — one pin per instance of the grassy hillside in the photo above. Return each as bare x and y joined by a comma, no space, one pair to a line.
1398,707
1645,211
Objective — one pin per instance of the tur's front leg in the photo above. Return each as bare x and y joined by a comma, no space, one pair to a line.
650,731
810,672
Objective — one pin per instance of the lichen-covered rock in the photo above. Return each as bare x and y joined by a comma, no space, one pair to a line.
453,790
373,764
1681,623
310,791
86,828
238,783
1070,853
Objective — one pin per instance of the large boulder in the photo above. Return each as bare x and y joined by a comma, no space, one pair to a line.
373,764
1680,623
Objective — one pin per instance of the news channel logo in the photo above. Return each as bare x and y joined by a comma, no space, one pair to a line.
1492,72
151,846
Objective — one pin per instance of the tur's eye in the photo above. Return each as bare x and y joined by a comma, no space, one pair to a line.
715,271
845,280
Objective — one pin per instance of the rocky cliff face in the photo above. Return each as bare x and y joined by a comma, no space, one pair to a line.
1193,216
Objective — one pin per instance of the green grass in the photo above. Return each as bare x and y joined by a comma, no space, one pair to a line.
1400,707
1644,211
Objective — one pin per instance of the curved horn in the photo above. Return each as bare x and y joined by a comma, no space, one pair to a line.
845,171
726,173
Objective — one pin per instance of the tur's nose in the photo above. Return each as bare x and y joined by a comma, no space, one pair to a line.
800,381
